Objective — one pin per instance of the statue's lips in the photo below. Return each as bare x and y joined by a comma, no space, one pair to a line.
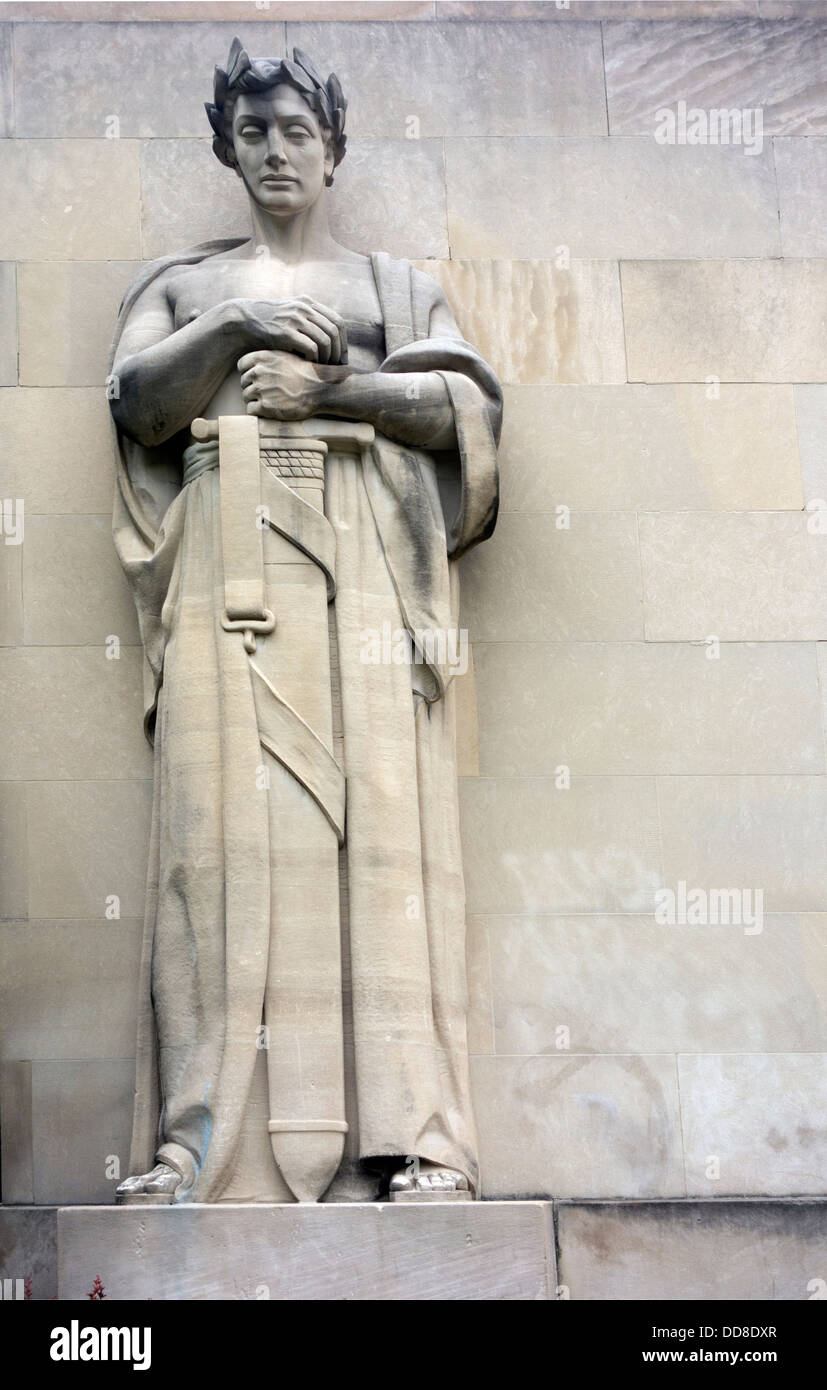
278,182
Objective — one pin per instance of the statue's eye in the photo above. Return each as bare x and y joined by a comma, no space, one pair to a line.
250,132
298,132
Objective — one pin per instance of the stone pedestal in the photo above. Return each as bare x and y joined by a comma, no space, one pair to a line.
355,1251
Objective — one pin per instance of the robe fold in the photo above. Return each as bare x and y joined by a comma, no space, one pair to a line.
399,517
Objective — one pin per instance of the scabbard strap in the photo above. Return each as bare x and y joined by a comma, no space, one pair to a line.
292,742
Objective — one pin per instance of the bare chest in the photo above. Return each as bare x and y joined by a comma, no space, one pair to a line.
347,287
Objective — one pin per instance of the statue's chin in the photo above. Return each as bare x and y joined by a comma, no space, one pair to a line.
284,202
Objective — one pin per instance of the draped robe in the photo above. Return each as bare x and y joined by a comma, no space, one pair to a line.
401,517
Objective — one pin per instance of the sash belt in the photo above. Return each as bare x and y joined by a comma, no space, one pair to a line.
198,459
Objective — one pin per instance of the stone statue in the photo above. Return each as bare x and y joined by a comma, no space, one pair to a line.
306,444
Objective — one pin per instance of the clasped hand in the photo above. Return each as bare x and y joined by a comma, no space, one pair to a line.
281,380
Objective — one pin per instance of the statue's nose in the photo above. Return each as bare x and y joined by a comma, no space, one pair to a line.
275,150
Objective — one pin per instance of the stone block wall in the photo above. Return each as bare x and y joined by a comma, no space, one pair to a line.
649,623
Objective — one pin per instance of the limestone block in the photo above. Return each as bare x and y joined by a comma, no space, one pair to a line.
536,322
150,11
6,83
13,852
737,320
745,64
16,1154
28,1248
80,546
68,989
391,193
57,449
801,169
669,448
477,79
596,9
811,418
761,1116
530,846
187,196
749,1251
154,78
638,707
528,195
11,582
747,833
751,576
387,192
790,9
8,324
87,843
821,648
354,1251
75,714
66,314
533,581
85,195
538,1116
660,988
362,9
480,1017
81,1122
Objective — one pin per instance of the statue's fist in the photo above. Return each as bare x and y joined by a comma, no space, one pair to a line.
280,385
302,326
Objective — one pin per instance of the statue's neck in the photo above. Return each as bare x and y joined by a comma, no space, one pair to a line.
305,237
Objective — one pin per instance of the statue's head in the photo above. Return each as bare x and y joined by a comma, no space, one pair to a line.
279,125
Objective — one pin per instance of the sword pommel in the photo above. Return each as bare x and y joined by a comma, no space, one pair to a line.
202,430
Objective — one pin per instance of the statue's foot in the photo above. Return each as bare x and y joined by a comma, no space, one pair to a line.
431,1182
158,1187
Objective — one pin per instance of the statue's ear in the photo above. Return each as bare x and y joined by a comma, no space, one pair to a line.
222,146
329,157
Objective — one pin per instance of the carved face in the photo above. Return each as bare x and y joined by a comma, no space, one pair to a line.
282,152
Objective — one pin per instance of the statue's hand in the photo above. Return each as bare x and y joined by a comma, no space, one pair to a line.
301,326
283,387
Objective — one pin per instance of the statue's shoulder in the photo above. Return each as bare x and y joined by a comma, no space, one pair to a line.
157,271
426,289
152,277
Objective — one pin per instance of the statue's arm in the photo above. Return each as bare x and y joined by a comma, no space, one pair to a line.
163,376
410,407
